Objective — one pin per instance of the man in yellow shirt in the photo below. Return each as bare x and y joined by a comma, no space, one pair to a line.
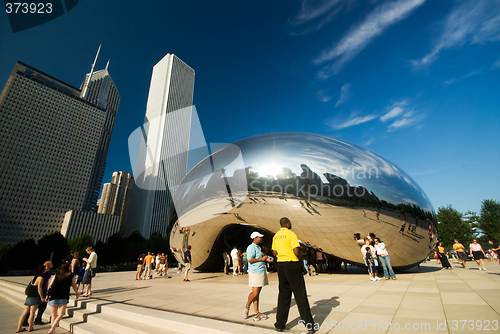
286,248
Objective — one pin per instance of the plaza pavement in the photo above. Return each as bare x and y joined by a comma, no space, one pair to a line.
424,299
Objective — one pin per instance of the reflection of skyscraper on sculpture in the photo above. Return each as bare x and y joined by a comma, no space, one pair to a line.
162,147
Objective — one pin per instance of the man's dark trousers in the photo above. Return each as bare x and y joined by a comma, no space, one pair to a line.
41,308
291,279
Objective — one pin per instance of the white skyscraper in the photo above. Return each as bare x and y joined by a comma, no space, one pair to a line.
171,129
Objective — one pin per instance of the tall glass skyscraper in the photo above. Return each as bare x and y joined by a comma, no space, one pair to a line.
166,139
53,147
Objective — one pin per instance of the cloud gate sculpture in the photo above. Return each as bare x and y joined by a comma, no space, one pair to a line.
333,191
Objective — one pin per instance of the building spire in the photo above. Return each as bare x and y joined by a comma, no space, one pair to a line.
91,72
107,64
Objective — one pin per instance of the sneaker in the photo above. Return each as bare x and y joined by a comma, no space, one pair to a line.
260,316
480,269
394,279
387,278
377,278
245,312
484,269
372,279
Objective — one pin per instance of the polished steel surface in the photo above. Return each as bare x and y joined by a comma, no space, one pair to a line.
329,189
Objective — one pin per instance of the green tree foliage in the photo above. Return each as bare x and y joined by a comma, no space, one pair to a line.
28,254
80,244
156,244
136,244
113,251
5,260
451,226
25,255
489,219
54,245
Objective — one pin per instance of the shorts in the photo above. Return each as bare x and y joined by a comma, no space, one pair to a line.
236,263
462,256
79,280
87,277
257,280
478,255
58,302
30,301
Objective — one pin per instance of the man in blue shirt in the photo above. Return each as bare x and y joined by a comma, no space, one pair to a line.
257,276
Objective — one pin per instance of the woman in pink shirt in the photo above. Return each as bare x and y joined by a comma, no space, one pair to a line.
476,251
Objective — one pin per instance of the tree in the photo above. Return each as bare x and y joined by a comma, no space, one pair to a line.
451,226
5,260
156,243
80,244
489,218
135,245
25,255
54,245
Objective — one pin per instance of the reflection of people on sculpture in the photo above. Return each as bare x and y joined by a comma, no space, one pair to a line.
359,241
442,256
461,254
402,229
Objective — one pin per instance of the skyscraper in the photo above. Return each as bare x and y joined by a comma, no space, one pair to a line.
53,146
115,198
165,141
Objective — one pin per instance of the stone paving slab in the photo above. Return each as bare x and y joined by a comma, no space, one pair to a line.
427,297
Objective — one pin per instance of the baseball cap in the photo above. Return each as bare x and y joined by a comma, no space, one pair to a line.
255,235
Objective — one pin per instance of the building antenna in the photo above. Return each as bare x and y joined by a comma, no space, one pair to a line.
91,72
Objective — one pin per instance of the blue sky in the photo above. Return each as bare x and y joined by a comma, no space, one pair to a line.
415,81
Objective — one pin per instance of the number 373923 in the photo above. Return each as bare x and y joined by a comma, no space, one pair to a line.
25,8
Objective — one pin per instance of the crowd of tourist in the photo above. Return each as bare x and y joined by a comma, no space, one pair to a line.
292,262
475,252
45,289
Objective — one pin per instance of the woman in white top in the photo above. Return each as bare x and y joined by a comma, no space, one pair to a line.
374,257
476,251
384,258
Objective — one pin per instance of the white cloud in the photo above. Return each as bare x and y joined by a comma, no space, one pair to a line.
369,142
475,22
345,94
352,121
311,10
470,74
406,120
394,112
380,19
317,13
323,96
